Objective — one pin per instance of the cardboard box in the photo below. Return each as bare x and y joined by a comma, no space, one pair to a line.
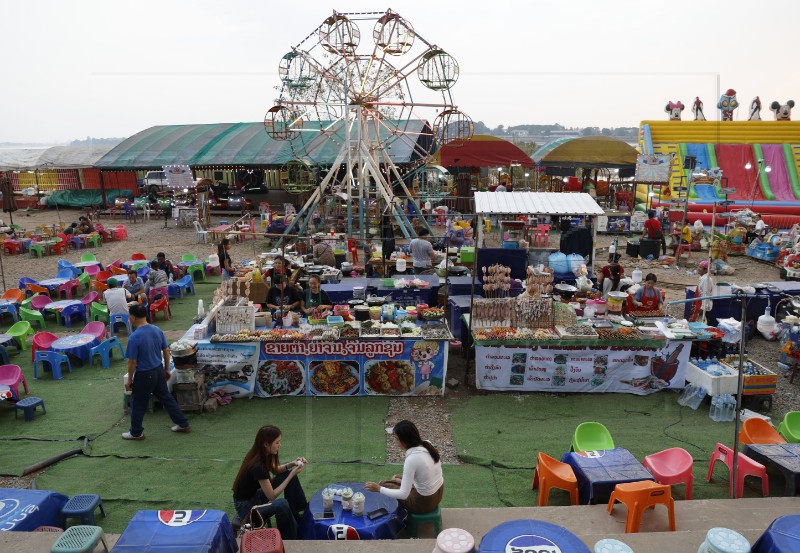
258,292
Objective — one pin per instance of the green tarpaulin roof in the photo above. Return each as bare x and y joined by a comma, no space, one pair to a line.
230,144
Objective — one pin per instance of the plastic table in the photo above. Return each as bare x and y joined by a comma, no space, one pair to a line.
598,472
6,338
78,345
53,283
784,457
132,262
178,531
343,290
344,522
84,264
26,510
782,536
60,304
530,536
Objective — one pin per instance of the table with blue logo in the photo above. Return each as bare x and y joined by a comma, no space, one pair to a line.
598,472
178,531
26,510
79,345
530,535
784,457
52,283
345,525
782,536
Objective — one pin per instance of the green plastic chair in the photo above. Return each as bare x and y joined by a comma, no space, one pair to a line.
197,269
591,436
95,240
789,427
88,257
20,332
188,257
99,312
31,315
85,280
26,303
38,249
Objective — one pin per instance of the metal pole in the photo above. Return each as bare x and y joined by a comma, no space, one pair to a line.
739,389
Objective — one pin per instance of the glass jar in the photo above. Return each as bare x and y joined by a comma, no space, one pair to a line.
358,504
327,499
347,499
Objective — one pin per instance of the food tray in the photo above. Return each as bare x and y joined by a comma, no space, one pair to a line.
436,332
562,331
623,333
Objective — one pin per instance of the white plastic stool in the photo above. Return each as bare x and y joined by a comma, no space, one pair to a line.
611,546
454,540
723,540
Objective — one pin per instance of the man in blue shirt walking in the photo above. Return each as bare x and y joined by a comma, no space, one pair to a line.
148,373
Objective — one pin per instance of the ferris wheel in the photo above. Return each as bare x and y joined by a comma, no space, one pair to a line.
378,107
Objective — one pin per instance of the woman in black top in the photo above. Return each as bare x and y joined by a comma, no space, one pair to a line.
315,297
254,486
225,262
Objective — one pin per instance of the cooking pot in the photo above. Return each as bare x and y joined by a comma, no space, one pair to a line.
458,270
361,312
565,290
375,301
315,269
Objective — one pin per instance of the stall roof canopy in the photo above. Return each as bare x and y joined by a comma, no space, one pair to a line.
586,151
483,151
242,144
57,157
536,203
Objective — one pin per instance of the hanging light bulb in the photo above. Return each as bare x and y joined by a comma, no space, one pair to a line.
748,166
767,169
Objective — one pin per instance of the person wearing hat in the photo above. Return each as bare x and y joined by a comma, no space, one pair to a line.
322,252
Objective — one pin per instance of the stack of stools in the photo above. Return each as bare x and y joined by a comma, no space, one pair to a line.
79,539
264,540
82,506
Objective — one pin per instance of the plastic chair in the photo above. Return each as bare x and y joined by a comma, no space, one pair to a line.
77,242
20,332
11,309
160,305
4,356
115,263
103,276
120,232
551,473
37,249
63,264
88,257
212,264
99,312
68,289
70,311
139,256
39,301
24,281
188,257
98,286
591,436
759,431
672,466
639,496
60,247
104,350
95,240
97,329
186,284
32,315
79,539
89,298
10,247
119,318
789,427
92,270
11,376
65,273
746,467
85,279
42,341
154,292
28,406
680,249
54,359
142,271
36,289
415,519
197,269
542,237
82,507
200,233
13,294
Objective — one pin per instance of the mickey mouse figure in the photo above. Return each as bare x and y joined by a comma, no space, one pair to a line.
727,103
782,112
674,109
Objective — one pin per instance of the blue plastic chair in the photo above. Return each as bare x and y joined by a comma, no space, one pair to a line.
54,359
119,318
65,273
4,360
10,308
64,264
142,273
71,311
186,284
104,350
26,280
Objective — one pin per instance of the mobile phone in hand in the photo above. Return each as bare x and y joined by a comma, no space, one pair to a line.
377,513
324,515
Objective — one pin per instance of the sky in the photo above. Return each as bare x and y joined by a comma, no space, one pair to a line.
98,68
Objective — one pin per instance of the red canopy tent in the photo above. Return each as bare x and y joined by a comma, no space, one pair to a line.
483,151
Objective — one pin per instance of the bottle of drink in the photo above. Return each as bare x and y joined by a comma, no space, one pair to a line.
697,398
688,391
730,413
713,413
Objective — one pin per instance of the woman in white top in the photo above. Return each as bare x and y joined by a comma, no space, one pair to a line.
421,486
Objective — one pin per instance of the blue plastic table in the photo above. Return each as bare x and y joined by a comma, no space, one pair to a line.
52,283
782,536
530,535
61,304
26,510
784,457
343,290
383,528
84,264
598,472
177,532
79,345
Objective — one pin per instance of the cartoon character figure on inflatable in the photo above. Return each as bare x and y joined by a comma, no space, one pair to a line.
755,110
697,109
674,109
727,103
459,233
783,112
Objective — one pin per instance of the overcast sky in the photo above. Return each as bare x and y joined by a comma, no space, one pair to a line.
103,68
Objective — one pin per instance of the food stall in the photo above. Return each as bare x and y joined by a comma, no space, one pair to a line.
371,350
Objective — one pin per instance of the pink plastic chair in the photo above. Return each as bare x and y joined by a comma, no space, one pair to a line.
11,376
116,262
97,329
542,236
747,467
92,270
68,289
671,466
38,302
162,291
89,298
42,341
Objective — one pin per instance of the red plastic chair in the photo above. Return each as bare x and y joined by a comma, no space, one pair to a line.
120,233
60,247
746,467
11,376
97,329
352,247
10,247
672,466
139,257
103,276
42,341
542,236
161,291
160,305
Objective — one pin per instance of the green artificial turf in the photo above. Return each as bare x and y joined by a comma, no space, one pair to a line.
19,454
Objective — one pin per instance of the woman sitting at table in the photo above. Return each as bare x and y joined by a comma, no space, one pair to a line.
648,297
254,484
421,486
156,278
72,229
315,297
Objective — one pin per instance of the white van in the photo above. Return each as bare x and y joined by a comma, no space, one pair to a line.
155,181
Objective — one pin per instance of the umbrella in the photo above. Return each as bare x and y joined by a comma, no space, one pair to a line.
9,203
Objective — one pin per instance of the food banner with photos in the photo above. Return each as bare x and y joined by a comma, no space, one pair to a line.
229,367
351,367
600,368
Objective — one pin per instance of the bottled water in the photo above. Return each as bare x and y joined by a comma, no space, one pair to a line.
730,408
697,398
687,393
715,408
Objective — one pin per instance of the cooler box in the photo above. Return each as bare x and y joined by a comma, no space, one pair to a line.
714,385
467,254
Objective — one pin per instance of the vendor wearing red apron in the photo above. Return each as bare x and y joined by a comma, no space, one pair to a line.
648,297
